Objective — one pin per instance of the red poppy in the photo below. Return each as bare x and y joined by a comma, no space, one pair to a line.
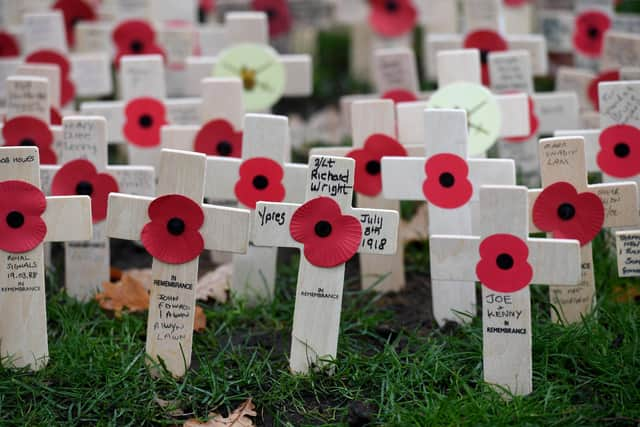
173,234
392,18
589,31
218,138
9,45
145,117
486,41
260,181
447,185
207,6
278,14
54,116
400,95
135,37
28,131
503,265
619,154
21,207
534,124
80,177
592,90
368,180
329,238
73,12
561,210
67,88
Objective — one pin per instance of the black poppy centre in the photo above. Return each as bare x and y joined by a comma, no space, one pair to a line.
84,188
622,150
260,182
224,148
145,121
28,142
484,56
391,6
271,14
15,219
504,261
566,211
593,33
136,46
447,180
323,228
373,167
175,226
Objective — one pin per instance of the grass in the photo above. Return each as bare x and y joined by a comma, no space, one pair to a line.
584,374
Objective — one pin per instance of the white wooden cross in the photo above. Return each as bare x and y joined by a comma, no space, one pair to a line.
252,27
453,209
85,138
562,160
329,232
174,227
459,80
265,144
511,72
213,89
23,330
506,262
368,120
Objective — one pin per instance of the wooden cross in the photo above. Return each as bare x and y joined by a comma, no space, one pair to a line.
452,209
456,67
175,227
511,72
266,145
87,263
562,160
23,331
329,232
252,27
213,89
370,119
505,261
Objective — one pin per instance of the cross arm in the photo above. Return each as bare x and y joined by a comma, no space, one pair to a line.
515,114
379,231
221,177
491,172
136,180
270,226
47,172
402,178
295,180
225,229
68,218
454,258
330,151
127,215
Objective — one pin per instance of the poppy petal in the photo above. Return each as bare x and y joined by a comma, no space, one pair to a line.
503,265
447,184
144,120
592,90
619,154
21,207
9,46
260,181
218,138
399,95
392,18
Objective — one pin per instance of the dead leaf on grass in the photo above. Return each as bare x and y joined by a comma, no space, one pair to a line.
238,418
627,294
200,320
215,284
128,292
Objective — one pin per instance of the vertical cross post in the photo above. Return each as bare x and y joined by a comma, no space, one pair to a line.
23,331
328,231
174,228
506,262
567,207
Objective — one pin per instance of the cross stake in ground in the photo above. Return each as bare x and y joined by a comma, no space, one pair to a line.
84,171
175,228
451,190
28,220
329,232
570,208
261,175
506,262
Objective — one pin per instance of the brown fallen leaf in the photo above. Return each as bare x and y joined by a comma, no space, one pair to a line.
200,320
626,294
215,284
238,418
128,292
142,275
